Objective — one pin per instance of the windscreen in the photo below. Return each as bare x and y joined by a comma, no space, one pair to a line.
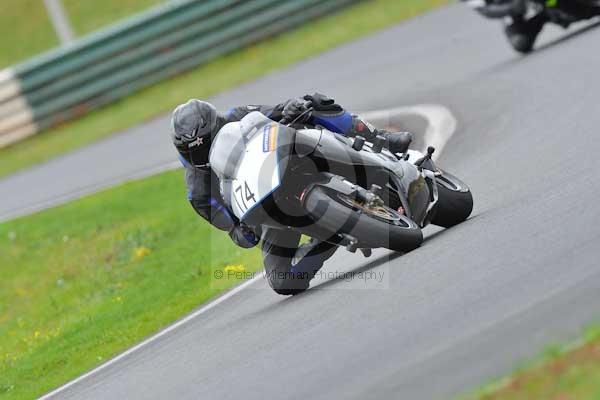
229,145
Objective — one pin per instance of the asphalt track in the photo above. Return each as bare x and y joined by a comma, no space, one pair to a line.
470,303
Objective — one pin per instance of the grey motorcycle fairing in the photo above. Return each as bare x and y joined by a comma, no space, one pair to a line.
332,149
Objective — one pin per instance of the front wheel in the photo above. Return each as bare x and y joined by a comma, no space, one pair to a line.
455,201
522,33
373,227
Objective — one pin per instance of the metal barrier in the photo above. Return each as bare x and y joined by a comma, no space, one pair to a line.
102,67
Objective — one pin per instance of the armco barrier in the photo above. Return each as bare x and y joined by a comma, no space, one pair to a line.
164,41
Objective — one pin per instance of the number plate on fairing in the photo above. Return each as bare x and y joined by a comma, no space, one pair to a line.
258,171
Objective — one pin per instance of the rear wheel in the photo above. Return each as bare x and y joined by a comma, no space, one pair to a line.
455,201
373,227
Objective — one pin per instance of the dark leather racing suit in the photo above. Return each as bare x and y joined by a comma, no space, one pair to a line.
281,250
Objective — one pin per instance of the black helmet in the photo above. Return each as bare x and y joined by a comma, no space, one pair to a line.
195,123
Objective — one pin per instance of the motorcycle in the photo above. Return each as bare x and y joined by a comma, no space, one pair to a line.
346,191
517,14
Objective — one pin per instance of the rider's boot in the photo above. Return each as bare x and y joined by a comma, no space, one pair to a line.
311,256
398,142
522,33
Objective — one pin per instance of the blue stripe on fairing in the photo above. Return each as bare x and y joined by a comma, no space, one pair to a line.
339,124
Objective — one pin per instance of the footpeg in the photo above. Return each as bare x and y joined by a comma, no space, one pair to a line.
352,245
426,162
359,142
375,189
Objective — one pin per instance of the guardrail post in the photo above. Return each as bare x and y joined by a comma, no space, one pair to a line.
60,21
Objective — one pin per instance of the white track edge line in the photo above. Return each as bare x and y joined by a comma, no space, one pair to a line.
152,338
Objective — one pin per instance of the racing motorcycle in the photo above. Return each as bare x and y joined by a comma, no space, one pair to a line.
515,12
337,189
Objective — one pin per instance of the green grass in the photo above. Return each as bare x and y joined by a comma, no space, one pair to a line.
561,373
26,30
84,281
89,15
207,80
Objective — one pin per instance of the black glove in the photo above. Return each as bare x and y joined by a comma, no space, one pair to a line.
321,102
396,142
243,236
293,109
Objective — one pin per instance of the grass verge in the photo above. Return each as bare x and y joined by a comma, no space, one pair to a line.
86,280
87,16
211,78
26,30
563,373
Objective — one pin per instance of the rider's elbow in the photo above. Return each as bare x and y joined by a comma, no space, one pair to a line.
214,213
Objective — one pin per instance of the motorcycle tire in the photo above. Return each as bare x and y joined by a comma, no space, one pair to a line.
331,213
455,201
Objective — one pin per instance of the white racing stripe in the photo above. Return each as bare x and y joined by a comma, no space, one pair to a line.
16,115
9,85
441,126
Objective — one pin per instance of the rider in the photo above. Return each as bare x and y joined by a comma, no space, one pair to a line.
522,30
290,266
